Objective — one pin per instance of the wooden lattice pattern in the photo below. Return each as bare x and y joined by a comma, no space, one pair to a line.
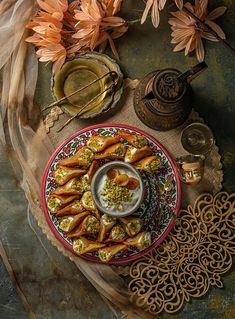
191,259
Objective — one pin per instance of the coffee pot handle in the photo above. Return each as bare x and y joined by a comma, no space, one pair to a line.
192,73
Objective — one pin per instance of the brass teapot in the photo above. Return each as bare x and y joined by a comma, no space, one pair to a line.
163,99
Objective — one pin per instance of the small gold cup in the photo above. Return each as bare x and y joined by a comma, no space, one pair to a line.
191,168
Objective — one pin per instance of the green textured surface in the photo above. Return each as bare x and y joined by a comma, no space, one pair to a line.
53,286
10,305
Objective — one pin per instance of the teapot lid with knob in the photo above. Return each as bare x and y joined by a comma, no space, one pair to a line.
163,99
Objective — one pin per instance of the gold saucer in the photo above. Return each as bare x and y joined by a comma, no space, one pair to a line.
79,73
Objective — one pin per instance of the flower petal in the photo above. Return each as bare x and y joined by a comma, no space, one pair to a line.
216,28
181,45
179,35
146,10
189,6
209,36
58,64
179,4
182,16
161,4
200,52
216,13
42,4
201,8
188,46
155,14
113,48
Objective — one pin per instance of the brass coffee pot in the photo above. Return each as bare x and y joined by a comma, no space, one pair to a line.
163,99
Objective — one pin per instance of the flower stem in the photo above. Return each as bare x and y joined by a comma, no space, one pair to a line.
131,22
134,21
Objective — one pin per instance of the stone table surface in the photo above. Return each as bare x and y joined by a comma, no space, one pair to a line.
51,286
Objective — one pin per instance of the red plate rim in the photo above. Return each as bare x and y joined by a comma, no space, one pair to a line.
44,205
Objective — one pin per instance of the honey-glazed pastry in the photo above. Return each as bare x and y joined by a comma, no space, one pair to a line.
92,169
56,202
107,253
83,245
134,154
131,225
106,224
73,187
117,234
116,151
83,157
72,209
136,140
63,174
96,213
84,182
87,201
149,164
90,225
141,241
68,223
100,143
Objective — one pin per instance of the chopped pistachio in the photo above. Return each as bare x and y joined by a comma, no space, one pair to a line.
104,255
121,150
134,227
54,204
77,205
87,201
115,195
79,246
140,142
92,225
87,155
118,233
94,142
85,183
60,173
106,219
65,223
145,241
153,165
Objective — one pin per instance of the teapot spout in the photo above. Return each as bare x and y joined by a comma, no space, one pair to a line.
148,97
192,73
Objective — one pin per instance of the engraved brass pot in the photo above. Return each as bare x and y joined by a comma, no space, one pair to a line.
163,99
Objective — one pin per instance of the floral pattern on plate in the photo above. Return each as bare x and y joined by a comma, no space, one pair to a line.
157,209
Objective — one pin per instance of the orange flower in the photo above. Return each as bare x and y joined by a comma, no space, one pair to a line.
97,24
186,33
62,30
157,5
49,33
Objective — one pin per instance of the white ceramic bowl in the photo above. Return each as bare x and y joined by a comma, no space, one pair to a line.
96,180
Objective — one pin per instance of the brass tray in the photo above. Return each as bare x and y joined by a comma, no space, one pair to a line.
81,71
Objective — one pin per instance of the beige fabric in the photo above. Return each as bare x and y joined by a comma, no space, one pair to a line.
124,113
32,147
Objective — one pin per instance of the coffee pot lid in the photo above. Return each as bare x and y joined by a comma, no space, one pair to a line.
167,87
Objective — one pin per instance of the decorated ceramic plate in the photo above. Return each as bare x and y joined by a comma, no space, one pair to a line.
160,204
